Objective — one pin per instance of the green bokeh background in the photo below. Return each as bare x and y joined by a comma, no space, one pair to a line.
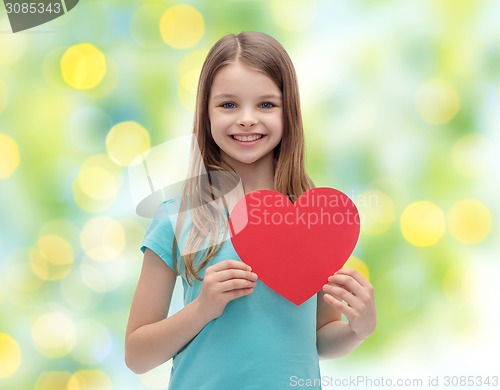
401,104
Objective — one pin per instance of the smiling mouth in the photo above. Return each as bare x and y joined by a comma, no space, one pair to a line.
247,138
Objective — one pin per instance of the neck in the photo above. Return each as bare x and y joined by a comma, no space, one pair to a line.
258,175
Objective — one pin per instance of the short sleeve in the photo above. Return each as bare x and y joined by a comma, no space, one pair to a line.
160,235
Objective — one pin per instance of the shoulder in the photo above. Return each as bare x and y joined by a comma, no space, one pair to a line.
165,215
159,236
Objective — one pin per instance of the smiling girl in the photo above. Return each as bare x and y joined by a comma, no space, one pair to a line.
233,331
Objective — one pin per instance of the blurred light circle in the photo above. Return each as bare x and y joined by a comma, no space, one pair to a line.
55,249
186,91
94,343
88,204
10,356
97,184
422,223
437,102
9,156
90,380
355,263
134,233
52,380
472,156
51,258
294,15
77,294
87,128
54,334
63,228
18,272
469,221
125,141
103,276
376,210
144,25
192,62
182,26
103,238
83,66
4,96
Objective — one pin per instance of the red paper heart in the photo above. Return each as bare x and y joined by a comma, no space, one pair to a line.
294,248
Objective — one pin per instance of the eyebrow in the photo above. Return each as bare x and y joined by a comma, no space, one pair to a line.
231,96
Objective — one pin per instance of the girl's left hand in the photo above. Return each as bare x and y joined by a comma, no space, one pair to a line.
350,286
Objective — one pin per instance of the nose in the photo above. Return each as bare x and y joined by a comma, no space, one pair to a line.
247,118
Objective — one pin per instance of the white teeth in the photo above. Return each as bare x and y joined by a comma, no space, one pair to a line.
247,138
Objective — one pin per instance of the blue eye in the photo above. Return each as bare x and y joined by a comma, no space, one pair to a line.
267,105
228,105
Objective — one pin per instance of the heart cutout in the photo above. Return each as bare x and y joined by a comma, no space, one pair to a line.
294,248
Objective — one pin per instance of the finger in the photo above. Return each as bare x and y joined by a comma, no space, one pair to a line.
348,282
356,275
233,294
225,264
367,286
233,273
341,307
341,294
235,284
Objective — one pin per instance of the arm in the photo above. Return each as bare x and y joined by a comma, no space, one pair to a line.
335,338
151,339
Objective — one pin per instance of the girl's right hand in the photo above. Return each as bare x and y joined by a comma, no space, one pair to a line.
223,282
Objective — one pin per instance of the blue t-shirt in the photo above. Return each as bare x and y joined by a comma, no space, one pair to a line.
261,341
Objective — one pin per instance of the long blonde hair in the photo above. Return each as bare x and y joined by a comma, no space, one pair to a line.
261,52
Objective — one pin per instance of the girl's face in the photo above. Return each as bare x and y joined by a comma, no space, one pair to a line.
246,114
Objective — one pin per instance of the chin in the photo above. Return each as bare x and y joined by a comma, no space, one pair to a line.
246,161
